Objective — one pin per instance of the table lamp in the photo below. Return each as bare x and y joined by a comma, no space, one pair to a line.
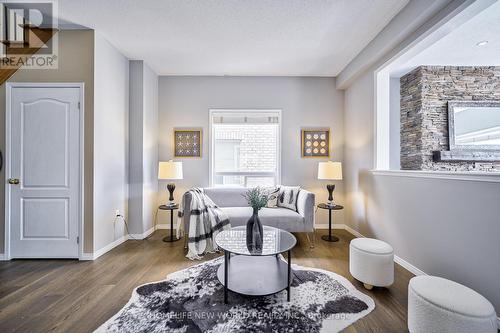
170,171
330,171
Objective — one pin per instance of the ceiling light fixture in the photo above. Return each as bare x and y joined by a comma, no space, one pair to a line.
482,43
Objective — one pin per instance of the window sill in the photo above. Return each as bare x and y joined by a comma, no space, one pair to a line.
492,177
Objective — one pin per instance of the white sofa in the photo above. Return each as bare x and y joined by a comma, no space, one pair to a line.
232,202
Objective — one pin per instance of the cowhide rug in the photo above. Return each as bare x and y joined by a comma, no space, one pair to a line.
192,300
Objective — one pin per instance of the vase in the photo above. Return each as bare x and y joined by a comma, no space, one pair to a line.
255,233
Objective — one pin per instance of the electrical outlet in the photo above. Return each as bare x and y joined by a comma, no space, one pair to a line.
117,212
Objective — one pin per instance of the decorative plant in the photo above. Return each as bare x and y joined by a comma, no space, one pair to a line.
257,198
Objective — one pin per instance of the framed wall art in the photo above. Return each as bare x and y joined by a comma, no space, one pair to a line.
187,142
315,142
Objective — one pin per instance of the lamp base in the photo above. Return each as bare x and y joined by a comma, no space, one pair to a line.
330,188
171,189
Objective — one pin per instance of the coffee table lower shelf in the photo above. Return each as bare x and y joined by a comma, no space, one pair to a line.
255,275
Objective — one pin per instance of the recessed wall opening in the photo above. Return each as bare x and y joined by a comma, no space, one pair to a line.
438,101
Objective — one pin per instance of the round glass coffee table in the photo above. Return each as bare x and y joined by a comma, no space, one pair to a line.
254,272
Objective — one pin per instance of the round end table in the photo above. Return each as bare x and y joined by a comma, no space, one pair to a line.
330,237
170,238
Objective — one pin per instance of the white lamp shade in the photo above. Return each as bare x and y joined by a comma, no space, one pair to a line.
330,170
170,170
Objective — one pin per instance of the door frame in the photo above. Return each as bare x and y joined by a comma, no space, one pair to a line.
8,155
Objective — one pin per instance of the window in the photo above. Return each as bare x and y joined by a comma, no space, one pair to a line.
245,147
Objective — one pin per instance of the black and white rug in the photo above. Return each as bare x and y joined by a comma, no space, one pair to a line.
192,300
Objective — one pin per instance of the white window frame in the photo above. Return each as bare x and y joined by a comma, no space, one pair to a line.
221,112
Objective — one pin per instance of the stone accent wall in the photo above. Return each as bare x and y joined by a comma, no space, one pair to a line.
425,93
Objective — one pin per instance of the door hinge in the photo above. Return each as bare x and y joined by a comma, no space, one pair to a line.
78,105
77,239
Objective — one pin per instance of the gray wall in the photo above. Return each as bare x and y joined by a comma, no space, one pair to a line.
306,102
150,147
445,227
76,64
143,158
111,111
136,129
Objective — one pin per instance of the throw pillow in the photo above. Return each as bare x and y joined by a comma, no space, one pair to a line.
287,197
272,201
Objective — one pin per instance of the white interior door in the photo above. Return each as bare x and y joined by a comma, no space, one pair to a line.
44,171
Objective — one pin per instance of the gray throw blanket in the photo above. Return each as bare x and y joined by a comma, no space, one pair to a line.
205,222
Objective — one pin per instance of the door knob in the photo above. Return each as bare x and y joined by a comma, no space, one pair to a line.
13,181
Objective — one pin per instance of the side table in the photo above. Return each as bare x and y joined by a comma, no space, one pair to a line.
170,238
330,237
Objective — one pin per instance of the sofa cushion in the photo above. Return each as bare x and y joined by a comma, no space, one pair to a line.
282,218
287,197
272,192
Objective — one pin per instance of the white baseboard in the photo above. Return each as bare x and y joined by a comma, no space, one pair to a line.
108,247
3,257
325,226
86,256
352,231
409,267
143,235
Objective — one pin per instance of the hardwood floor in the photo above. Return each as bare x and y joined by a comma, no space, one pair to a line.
78,296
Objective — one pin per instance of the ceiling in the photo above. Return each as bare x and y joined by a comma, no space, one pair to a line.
459,47
236,37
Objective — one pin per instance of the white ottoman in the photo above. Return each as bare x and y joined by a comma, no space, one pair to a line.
439,305
371,261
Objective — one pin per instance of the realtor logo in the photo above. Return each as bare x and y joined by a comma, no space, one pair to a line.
28,34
